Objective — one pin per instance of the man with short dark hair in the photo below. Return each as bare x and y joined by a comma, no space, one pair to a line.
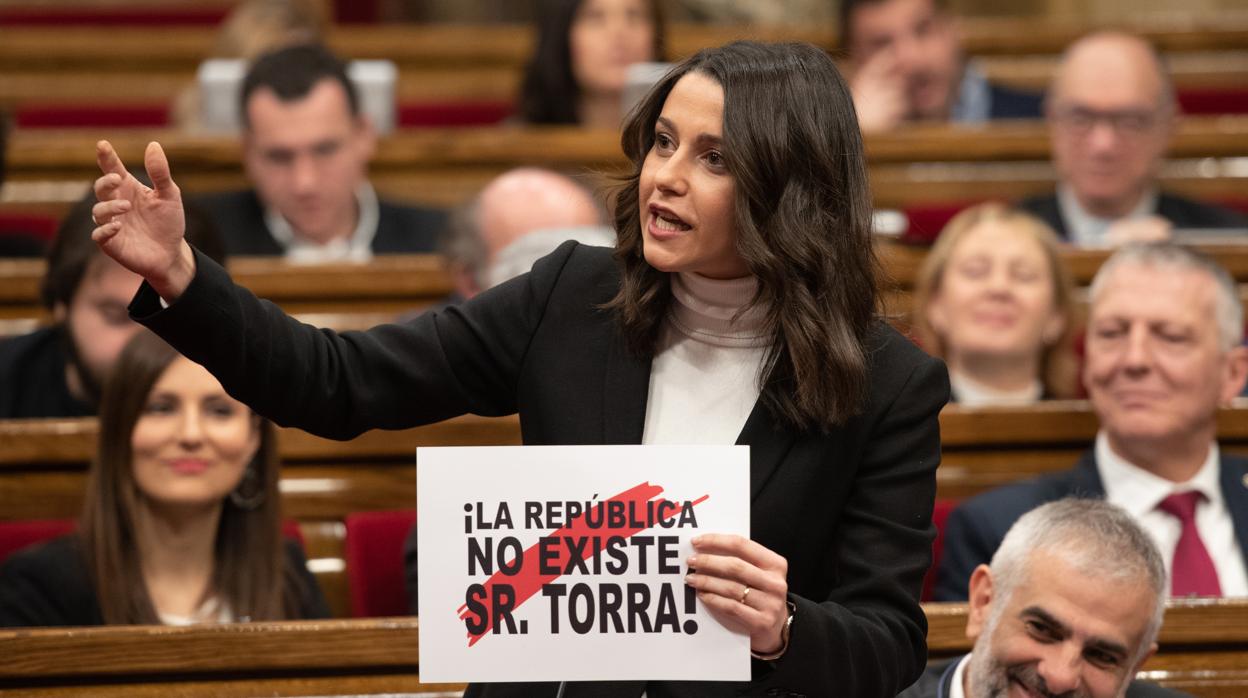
907,64
1163,352
306,147
1112,112
1070,605
59,370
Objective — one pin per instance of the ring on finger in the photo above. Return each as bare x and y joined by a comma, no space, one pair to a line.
744,593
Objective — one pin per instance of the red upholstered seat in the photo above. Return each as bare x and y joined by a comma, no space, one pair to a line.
15,535
427,114
1213,100
374,555
88,114
939,515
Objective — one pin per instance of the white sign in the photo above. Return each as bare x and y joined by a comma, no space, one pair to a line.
552,563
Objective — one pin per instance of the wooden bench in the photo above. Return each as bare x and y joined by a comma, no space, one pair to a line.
1203,644
1203,650
304,658
984,448
386,287
438,62
50,168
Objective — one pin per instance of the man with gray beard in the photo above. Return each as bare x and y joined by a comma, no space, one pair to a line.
1070,606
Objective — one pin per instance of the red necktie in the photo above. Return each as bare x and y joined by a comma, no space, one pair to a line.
1193,572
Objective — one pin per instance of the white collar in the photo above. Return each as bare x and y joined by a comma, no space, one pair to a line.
956,689
357,248
972,393
704,308
210,611
1138,491
1088,230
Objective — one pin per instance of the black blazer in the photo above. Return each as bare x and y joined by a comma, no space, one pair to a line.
850,509
239,216
937,682
49,585
1183,213
976,528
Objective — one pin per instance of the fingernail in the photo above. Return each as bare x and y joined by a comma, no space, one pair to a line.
690,578
691,560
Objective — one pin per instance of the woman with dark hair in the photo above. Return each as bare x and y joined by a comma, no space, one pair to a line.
182,520
738,306
580,61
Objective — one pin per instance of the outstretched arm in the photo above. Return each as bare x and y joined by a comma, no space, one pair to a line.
143,227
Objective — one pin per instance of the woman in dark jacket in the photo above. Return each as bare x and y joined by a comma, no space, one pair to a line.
739,305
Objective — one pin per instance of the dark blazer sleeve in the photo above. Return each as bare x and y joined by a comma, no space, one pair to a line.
47,585
867,636
439,365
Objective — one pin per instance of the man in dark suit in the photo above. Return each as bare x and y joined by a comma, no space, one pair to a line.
1111,112
907,65
306,147
1073,578
1163,352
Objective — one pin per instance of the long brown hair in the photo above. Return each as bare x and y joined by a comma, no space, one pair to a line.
250,574
803,221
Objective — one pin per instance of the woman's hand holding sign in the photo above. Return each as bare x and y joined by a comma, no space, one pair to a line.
745,586
142,227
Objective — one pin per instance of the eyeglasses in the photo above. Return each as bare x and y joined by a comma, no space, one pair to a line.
1128,122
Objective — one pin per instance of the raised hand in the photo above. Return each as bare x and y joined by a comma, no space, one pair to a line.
143,227
879,92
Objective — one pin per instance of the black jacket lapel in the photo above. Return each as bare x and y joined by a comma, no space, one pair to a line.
625,390
768,442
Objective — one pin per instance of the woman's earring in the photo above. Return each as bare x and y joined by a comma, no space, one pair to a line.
249,494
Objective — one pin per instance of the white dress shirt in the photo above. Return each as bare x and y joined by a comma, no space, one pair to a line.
1139,492
971,393
1087,230
357,248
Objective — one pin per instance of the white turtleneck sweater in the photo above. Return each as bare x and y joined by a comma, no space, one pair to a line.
704,380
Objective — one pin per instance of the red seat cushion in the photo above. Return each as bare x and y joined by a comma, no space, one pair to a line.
940,514
374,555
431,114
82,115
1214,100
15,535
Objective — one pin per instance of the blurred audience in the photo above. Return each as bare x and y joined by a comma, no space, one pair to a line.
1076,578
59,370
1111,112
182,520
906,64
306,148
995,301
1164,352
580,61
253,28
519,217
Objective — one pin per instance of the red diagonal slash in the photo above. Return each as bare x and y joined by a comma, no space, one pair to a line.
528,581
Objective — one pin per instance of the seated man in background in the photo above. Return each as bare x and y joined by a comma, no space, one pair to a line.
306,147
1163,352
519,217
1070,605
59,370
1111,113
906,64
